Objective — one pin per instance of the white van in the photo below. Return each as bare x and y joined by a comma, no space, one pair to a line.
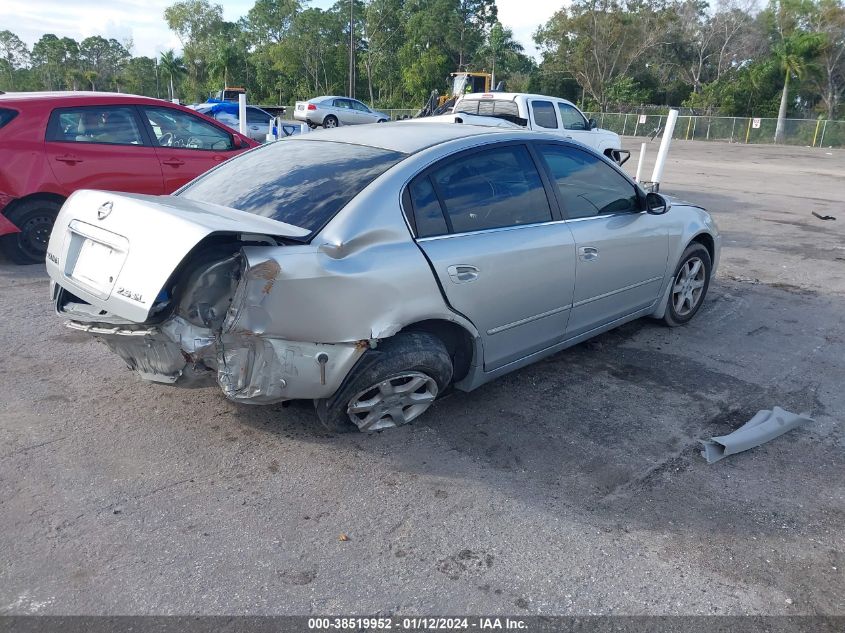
544,114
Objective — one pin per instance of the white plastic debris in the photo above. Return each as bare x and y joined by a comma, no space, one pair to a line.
765,426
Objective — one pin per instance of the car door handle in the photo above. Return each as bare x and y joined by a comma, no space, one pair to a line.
67,158
218,158
173,161
588,253
462,273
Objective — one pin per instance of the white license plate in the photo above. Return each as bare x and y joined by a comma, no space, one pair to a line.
96,265
300,107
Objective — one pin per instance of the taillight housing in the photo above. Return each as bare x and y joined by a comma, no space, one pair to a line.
311,106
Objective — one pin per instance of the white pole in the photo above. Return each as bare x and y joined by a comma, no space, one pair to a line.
242,113
660,163
640,163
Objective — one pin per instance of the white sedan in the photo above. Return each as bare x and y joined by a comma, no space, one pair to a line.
334,111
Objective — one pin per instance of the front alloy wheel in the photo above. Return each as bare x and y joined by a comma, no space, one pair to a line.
689,285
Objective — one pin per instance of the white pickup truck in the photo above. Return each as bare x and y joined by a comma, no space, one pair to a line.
545,114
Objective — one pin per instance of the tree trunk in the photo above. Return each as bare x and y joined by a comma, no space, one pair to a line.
171,86
781,124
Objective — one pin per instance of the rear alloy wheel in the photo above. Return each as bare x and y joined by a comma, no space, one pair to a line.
689,285
330,122
35,220
390,386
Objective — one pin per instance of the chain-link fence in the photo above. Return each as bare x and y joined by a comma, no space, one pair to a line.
806,132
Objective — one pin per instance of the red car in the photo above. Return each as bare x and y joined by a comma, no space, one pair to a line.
53,143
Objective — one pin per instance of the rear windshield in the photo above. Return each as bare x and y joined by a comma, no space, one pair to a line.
7,115
489,107
304,183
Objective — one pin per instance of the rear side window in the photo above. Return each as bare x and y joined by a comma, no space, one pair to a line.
304,183
489,107
428,214
587,185
7,115
491,189
544,114
109,125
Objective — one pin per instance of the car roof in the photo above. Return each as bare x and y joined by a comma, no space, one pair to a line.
407,137
75,95
511,96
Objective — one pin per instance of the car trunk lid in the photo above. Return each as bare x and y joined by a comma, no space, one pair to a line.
117,251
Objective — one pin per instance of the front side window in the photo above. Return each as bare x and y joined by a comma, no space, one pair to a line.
257,117
174,128
357,105
544,114
572,119
492,188
109,125
304,183
587,185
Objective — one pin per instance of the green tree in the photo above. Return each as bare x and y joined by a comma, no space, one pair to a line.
171,66
794,55
502,54
14,55
54,59
599,41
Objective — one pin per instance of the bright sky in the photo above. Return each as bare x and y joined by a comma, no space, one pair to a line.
143,20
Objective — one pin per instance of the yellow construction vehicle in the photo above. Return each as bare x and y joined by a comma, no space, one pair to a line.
463,83
458,84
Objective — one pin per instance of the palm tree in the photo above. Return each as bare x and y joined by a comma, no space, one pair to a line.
172,65
224,56
90,76
500,47
793,54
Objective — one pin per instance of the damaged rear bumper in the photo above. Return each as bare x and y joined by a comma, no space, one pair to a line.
249,368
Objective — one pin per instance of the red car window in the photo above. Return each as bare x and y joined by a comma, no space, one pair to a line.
111,125
6,115
174,128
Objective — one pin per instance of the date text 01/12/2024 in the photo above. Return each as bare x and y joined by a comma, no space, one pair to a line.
416,624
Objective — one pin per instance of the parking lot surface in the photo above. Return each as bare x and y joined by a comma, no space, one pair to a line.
573,486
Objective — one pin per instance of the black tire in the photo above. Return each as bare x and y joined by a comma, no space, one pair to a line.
329,122
382,121
418,352
35,220
674,317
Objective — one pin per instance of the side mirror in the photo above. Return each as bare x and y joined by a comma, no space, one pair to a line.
592,123
655,204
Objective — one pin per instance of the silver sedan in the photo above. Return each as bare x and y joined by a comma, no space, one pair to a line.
372,270
332,111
